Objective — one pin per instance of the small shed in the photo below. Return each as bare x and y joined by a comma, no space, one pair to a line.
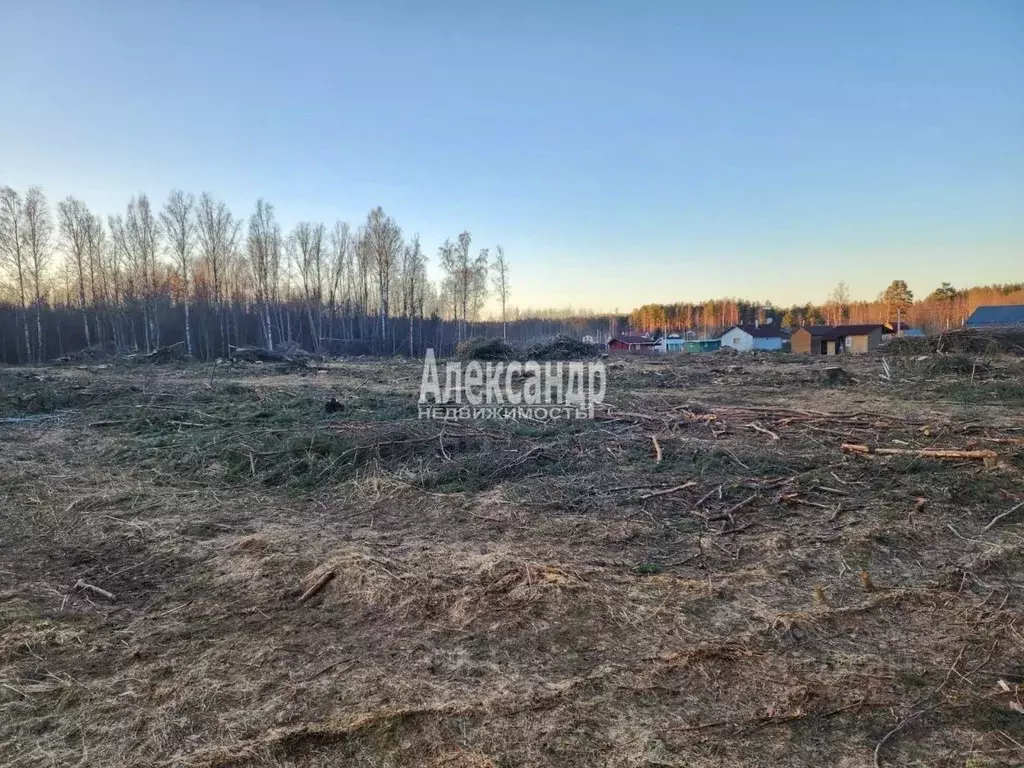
748,337
702,345
631,342
1006,316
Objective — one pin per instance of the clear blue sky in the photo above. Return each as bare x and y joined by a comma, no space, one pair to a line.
622,152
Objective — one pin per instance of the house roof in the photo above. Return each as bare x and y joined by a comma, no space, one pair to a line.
632,338
1009,314
830,332
816,330
856,330
770,331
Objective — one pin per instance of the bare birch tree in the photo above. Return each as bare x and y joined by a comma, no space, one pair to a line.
38,232
501,286
448,294
96,247
264,261
384,239
361,278
143,239
217,233
75,224
838,304
307,242
13,255
130,277
465,280
413,276
477,283
179,226
340,272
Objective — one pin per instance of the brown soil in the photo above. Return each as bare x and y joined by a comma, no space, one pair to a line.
503,593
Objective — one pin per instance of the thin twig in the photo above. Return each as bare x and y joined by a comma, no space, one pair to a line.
899,727
914,715
997,518
708,495
667,491
759,428
737,507
83,585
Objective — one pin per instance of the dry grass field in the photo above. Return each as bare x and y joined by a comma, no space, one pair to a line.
513,593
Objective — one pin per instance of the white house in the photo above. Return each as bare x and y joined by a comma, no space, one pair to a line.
744,338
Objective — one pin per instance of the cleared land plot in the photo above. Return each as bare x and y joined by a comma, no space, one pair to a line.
510,593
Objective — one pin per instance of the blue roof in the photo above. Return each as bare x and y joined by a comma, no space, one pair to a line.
1011,314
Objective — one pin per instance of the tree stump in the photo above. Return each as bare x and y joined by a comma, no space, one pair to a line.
836,376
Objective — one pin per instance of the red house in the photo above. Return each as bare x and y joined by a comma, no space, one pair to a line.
631,342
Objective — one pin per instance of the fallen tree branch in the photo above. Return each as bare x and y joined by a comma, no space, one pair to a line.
667,491
759,428
997,518
899,727
83,586
488,518
737,507
708,495
794,498
925,453
917,713
316,586
657,449
760,722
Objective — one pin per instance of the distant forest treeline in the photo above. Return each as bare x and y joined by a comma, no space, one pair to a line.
943,308
193,273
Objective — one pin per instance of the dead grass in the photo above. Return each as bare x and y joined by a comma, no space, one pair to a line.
511,593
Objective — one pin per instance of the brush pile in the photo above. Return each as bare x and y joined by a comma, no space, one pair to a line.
489,350
963,341
499,350
563,348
